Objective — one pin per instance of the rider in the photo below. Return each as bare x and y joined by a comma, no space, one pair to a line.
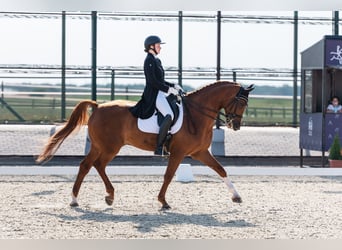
155,92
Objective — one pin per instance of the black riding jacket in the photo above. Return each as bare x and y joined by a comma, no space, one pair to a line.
154,75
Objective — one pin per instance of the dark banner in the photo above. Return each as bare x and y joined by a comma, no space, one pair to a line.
311,131
333,52
333,126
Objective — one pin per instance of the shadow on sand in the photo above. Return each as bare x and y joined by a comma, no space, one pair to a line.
145,223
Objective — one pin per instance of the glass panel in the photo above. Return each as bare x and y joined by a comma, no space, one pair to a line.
199,41
256,45
121,42
25,41
313,91
308,91
311,28
78,41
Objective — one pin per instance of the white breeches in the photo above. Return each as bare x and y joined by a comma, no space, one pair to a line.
162,104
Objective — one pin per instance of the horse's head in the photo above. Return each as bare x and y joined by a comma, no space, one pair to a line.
234,110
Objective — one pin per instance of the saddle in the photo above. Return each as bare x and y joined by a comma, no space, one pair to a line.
152,124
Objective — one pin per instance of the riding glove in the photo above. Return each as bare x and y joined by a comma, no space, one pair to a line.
172,91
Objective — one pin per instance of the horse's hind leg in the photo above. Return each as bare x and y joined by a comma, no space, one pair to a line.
84,168
208,159
100,165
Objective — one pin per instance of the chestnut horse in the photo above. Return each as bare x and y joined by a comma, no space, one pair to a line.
111,125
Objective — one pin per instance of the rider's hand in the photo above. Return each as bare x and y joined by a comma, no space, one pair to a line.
173,91
178,87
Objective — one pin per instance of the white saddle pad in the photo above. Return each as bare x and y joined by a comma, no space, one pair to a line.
150,125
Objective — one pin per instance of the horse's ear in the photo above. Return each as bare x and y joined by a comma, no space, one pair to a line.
250,88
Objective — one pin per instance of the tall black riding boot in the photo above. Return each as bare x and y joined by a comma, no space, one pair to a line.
163,130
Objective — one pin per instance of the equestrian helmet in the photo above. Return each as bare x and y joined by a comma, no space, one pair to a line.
150,40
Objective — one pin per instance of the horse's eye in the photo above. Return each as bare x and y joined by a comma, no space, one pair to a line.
242,103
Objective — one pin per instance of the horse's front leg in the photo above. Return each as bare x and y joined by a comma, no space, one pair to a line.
172,166
236,197
208,159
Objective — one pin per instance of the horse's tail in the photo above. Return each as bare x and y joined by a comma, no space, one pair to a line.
78,117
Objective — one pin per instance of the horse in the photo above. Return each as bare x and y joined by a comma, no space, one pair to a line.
111,126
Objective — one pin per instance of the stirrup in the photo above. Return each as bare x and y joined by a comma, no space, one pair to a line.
160,151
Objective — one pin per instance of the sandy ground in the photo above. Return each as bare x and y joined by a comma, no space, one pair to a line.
274,207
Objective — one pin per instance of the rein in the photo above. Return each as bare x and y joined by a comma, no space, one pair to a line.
229,117
199,108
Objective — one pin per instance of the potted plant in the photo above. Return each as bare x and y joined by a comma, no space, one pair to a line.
335,158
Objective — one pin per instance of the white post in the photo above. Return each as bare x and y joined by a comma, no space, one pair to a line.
217,144
184,173
87,144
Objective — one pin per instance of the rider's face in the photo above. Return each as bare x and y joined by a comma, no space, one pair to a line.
157,47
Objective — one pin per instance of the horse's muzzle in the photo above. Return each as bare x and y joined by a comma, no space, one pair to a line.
235,125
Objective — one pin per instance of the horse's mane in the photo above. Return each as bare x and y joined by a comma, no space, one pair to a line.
205,88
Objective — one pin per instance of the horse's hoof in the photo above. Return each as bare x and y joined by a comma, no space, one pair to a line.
73,204
166,207
237,199
109,200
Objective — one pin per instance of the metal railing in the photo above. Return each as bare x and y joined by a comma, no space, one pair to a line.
32,93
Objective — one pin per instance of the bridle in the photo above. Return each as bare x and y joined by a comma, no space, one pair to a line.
239,98
229,117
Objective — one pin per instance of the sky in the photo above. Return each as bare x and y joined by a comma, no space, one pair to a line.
120,43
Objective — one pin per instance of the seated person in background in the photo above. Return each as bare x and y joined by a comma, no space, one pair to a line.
334,106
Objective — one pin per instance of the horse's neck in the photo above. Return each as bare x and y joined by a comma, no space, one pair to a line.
215,96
